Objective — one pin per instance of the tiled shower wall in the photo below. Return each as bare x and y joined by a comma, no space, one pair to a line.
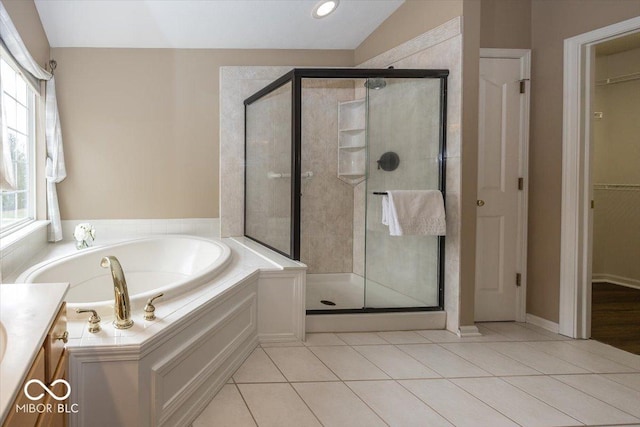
327,202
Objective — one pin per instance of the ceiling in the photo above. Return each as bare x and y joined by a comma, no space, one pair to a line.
219,24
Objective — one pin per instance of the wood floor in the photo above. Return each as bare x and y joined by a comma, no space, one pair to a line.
615,316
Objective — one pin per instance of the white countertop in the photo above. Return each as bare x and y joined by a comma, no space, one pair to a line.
26,314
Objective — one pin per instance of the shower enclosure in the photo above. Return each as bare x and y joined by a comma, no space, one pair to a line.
322,147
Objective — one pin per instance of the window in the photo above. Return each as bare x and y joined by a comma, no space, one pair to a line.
17,204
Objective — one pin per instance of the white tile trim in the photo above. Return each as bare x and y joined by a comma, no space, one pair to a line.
110,229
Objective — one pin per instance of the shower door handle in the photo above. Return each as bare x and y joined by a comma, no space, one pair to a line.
480,203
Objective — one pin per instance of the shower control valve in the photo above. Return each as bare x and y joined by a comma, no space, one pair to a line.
150,309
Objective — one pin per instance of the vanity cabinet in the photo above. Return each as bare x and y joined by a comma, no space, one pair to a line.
56,418
24,419
50,364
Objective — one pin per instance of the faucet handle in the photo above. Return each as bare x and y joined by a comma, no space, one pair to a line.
150,309
94,320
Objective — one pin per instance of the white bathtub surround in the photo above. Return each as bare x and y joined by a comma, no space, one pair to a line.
174,365
19,248
108,230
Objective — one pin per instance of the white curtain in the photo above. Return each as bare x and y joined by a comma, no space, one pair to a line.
14,44
7,177
55,169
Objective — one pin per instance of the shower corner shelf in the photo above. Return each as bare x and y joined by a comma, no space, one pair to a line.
351,141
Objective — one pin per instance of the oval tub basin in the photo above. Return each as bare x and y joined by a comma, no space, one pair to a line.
168,264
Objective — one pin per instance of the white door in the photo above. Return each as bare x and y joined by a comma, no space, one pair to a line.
499,205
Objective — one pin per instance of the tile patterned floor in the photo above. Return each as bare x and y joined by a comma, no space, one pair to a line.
513,375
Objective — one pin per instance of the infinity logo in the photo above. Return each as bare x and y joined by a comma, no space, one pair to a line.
47,389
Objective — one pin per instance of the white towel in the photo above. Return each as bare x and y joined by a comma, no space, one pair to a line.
414,212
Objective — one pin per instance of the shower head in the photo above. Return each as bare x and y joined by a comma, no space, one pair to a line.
375,83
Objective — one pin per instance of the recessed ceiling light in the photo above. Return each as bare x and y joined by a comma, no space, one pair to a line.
324,8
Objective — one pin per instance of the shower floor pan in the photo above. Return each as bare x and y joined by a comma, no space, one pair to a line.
347,291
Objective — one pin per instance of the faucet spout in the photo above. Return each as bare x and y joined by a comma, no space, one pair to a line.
122,305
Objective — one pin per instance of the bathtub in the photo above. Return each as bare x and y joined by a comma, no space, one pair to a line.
171,265
222,297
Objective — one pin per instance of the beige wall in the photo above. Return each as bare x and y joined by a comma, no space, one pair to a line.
552,22
410,20
141,127
505,24
25,17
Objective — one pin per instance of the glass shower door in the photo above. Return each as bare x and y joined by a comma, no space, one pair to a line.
403,153
268,172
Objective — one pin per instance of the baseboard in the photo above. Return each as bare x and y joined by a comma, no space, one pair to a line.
543,323
616,280
469,331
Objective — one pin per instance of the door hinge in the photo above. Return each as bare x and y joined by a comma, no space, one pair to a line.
520,183
523,85
518,279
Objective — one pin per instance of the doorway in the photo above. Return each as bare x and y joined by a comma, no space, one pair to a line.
501,239
577,183
615,297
